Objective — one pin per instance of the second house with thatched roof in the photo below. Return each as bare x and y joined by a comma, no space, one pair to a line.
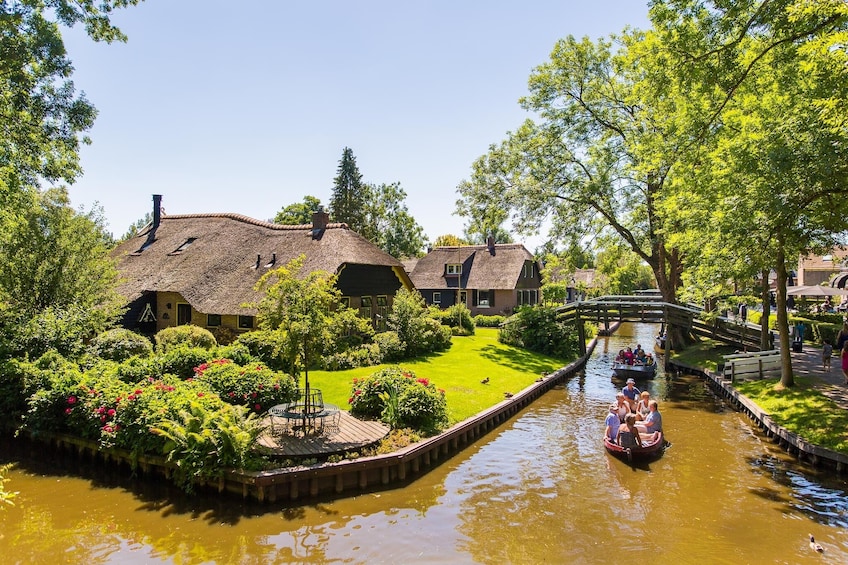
489,279
201,268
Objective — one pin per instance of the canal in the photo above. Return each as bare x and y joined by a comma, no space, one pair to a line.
539,489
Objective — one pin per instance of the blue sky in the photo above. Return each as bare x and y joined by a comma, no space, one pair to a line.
246,107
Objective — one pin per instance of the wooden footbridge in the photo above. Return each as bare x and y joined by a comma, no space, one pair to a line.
652,309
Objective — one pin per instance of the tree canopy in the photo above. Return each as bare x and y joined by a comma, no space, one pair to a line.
298,213
712,145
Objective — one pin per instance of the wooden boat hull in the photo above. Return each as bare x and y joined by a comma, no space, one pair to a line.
647,451
625,371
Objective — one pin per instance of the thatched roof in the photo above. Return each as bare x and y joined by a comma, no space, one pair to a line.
216,272
482,267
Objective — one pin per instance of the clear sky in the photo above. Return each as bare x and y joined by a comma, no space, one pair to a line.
246,106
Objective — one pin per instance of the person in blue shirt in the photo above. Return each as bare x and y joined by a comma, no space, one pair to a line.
631,393
652,424
612,423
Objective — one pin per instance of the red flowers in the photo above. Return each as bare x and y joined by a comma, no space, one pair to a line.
72,400
258,407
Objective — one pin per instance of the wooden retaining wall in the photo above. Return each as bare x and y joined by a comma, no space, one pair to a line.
329,480
789,441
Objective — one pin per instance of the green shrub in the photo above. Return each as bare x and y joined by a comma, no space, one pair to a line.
204,442
137,368
224,335
119,344
365,355
237,353
458,316
434,337
18,381
267,346
482,321
182,360
255,387
400,399
390,345
536,328
187,335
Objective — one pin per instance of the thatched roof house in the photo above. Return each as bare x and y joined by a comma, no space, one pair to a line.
489,279
201,268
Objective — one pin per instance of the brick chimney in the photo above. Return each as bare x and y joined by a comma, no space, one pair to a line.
320,219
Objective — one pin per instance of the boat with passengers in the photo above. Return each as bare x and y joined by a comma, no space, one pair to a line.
630,364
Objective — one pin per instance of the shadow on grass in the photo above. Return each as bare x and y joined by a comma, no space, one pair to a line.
521,360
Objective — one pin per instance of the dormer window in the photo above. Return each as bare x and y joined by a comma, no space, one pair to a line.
453,269
183,247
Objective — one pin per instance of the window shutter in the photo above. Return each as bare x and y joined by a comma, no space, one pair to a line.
491,298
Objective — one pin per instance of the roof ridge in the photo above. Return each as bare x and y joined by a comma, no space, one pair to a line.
249,220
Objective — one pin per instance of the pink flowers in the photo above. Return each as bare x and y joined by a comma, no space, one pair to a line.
68,410
72,400
258,407
424,382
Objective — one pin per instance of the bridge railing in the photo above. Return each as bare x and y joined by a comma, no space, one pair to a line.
607,310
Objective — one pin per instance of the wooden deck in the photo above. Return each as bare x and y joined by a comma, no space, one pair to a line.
350,434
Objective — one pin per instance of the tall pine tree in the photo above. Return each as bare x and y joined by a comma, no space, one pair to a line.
349,200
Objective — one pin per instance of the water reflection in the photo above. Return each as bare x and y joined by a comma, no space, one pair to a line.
539,489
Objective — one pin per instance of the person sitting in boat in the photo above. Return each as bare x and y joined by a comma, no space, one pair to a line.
622,407
628,356
612,423
620,357
631,393
628,434
639,357
649,359
642,407
639,352
653,421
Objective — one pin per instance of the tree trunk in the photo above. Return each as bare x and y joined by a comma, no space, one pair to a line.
786,376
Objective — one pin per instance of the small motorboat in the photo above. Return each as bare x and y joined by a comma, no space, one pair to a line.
648,450
625,371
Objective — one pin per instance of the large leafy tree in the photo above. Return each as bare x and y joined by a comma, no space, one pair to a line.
42,118
581,164
56,280
298,213
389,224
772,162
349,199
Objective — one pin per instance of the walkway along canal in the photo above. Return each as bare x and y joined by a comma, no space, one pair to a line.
539,488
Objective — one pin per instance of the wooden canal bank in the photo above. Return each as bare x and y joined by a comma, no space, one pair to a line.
329,480
791,442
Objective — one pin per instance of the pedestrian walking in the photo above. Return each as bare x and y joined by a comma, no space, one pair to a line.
827,352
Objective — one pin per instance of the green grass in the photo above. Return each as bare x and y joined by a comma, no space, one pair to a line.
707,354
801,409
458,371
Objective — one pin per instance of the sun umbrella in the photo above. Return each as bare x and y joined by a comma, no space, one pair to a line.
815,290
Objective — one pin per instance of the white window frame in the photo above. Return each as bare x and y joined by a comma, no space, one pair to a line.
437,298
480,302
453,269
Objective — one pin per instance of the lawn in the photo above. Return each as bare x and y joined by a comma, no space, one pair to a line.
458,371
800,409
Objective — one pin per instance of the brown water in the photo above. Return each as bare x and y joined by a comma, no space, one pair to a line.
540,489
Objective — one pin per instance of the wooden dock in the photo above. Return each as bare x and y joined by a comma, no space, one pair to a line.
348,434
